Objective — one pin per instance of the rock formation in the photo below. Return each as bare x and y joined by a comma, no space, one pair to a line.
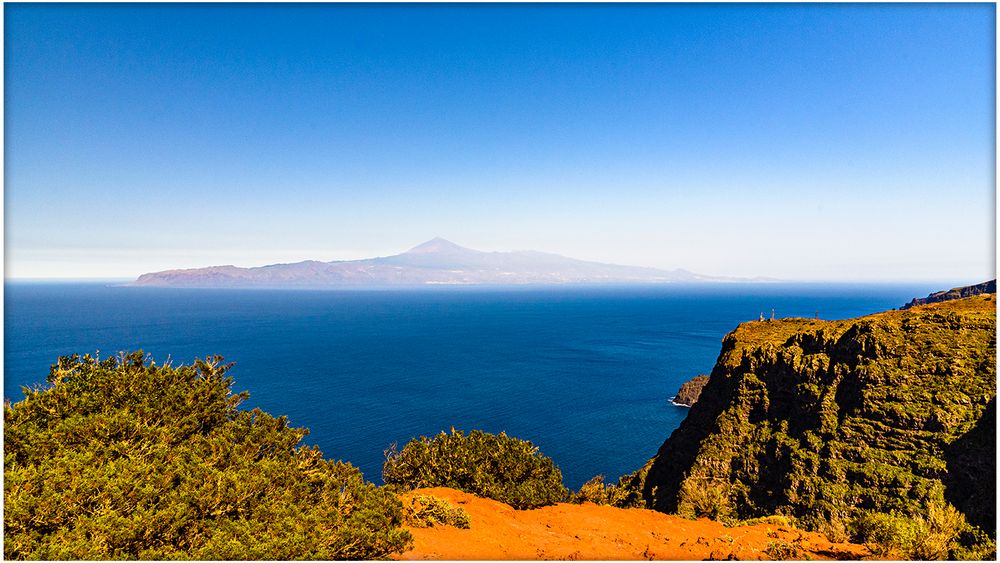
954,293
823,420
689,392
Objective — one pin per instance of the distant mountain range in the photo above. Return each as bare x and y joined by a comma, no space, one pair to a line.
437,261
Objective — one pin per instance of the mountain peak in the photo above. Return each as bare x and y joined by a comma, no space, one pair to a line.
437,261
436,245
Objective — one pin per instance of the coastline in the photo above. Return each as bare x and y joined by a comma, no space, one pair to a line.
678,404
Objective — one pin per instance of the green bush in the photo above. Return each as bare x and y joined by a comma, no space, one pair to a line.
774,520
125,459
885,533
704,499
622,494
941,532
499,467
974,545
784,551
594,491
425,511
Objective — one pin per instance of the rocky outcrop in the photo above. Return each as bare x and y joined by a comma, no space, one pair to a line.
954,293
689,392
822,420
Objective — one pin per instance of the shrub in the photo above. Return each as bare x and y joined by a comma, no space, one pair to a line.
783,551
774,520
941,528
705,499
833,525
935,535
125,459
425,511
594,491
974,545
622,494
884,533
499,467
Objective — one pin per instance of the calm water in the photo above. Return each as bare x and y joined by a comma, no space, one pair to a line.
584,373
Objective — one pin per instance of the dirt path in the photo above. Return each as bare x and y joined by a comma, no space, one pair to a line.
592,532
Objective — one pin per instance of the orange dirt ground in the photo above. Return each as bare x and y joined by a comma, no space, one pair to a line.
591,532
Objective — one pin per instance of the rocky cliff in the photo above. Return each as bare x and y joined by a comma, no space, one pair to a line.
689,392
829,421
954,293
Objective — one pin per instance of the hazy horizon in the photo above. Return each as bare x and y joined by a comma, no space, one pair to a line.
949,282
804,142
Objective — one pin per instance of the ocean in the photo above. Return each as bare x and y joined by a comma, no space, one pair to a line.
585,373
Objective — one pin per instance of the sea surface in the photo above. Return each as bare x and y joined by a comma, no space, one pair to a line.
585,373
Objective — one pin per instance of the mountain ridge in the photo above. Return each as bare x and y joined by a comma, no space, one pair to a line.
434,262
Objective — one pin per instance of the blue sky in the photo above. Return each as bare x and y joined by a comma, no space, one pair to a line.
812,142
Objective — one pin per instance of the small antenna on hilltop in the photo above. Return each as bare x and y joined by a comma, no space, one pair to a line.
762,315
817,315
772,313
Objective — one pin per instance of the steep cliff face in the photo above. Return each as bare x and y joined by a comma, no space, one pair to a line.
690,391
822,420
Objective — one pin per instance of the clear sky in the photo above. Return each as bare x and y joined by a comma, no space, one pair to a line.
812,142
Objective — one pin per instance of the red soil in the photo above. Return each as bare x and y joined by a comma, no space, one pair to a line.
591,532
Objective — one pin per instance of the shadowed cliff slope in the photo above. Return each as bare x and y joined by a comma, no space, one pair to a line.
825,420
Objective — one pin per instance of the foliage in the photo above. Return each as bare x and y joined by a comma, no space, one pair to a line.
779,550
425,511
705,500
126,459
973,544
499,467
885,533
594,490
935,534
622,494
774,520
834,525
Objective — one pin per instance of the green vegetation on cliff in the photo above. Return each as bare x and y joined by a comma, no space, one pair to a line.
124,459
863,428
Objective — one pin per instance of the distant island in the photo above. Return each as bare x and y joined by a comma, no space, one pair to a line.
435,262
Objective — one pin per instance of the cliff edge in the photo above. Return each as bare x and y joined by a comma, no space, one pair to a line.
954,293
690,391
591,532
831,422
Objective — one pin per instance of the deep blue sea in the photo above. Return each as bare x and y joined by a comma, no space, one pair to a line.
585,373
